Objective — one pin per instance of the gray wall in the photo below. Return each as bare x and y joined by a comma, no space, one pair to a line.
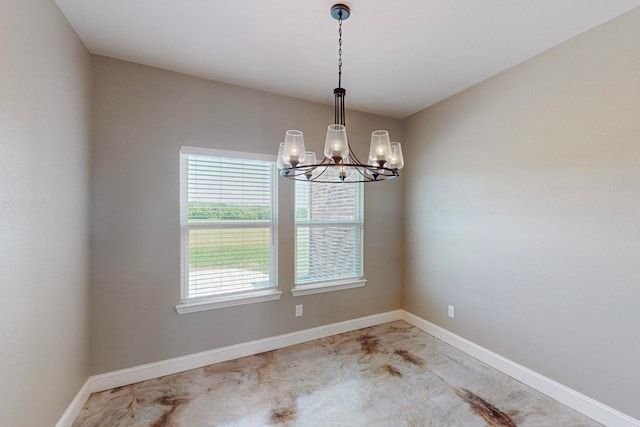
523,210
142,116
45,129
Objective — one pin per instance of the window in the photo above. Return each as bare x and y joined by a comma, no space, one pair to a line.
329,232
228,228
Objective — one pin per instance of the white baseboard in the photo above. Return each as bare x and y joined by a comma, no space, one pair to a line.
197,360
75,406
569,397
581,403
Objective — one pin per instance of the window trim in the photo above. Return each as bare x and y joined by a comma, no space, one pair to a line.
327,286
321,286
231,298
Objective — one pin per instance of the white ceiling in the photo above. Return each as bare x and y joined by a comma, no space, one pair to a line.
399,56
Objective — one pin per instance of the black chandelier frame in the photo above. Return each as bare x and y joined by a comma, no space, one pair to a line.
346,170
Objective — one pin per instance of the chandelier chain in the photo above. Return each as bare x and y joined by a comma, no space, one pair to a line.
340,51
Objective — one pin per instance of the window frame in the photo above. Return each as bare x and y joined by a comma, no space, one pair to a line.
229,298
336,284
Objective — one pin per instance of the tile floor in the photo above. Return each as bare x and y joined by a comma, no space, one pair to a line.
387,375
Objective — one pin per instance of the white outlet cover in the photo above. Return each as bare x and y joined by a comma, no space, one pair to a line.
452,311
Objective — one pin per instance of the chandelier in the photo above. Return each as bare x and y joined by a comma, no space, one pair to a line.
340,164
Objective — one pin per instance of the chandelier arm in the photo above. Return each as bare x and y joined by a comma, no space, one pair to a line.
360,172
353,155
319,175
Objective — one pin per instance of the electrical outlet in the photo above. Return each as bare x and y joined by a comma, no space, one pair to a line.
452,311
298,310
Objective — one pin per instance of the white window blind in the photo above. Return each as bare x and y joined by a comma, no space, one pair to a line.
329,228
227,223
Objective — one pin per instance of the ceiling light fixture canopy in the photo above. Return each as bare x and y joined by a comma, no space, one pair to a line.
340,164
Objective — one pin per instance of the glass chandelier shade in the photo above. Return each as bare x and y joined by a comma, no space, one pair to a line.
380,151
280,160
293,151
340,164
336,146
396,161
310,160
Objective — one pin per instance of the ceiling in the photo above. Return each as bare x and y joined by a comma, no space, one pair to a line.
399,57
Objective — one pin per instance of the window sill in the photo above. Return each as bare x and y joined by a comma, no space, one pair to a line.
336,285
228,301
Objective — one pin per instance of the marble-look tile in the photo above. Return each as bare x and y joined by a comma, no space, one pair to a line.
388,375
